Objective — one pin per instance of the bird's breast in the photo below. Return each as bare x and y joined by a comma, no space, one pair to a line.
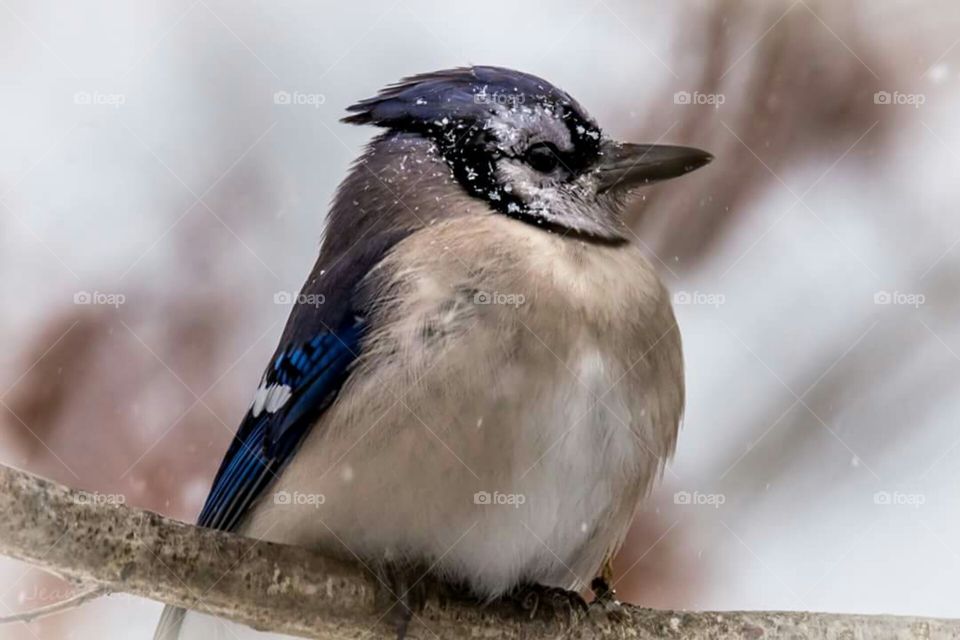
516,395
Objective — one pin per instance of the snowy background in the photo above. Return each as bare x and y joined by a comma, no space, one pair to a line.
147,168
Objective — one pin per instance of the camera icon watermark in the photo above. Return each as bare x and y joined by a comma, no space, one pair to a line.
45,594
715,300
99,298
899,499
499,499
685,498
97,98
495,297
299,98
900,298
100,499
698,98
511,100
289,297
897,98
298,499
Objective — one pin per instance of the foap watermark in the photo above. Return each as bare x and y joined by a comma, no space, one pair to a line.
896,98
298,499
686,97
289,297
45,594
299,99
699,297
100,499
499,499
495,297
99,98
698,499
899,298
498,97
899,499
99,297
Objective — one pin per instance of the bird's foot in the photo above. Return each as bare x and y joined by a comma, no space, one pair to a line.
606,600
537,599
402,592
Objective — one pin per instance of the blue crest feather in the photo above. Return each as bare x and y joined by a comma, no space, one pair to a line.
453,93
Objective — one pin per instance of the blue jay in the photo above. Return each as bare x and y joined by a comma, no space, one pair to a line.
482,376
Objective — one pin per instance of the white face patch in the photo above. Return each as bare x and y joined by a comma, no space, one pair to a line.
518,127
569,204
270,398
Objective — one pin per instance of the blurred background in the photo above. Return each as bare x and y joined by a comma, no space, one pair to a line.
158,191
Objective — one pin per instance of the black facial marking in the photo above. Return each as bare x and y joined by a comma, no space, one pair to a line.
471,149
456,107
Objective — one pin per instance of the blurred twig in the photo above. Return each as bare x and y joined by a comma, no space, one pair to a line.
775,113
73,601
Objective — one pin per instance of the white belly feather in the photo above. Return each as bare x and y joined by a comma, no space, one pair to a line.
551,409
537,491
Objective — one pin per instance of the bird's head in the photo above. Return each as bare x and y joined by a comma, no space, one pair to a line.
525,147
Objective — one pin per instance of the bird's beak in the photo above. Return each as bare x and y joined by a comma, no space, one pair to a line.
624,166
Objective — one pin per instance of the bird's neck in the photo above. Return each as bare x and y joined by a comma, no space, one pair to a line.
400,182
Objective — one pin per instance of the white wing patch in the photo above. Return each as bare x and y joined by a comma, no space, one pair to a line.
270,398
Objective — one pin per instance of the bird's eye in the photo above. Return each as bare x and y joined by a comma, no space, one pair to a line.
542,156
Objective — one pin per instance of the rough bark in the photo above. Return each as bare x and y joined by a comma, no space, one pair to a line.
296,591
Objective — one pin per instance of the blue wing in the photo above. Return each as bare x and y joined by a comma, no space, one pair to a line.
305,374
297,387
311,364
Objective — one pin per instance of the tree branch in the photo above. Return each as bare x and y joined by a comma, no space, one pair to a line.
295,591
